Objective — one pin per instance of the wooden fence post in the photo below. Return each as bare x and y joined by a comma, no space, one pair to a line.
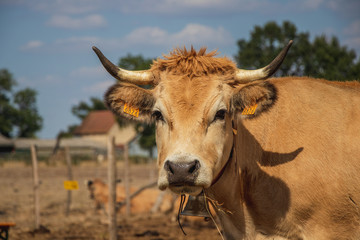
112,188
70,178
36,185
127,179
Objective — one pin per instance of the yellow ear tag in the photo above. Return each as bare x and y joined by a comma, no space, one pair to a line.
249,110
131,110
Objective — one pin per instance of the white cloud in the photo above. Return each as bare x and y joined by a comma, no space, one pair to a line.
165,7
193,7
24,81
91,21
58,6
32,45
353,43
77,40
147,35
347,8
200,34
195,34
51,79
312,4
89,72
353,34
98,88
353,29
198,3
47,80
71,44
329,31
66,6
192,34
185,7
75,44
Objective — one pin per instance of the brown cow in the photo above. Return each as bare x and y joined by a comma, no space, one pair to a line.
142,203
290,170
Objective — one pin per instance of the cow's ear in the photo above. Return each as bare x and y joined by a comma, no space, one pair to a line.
253,99
130,101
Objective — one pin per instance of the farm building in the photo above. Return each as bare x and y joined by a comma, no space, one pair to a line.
90,141
98,126
6,145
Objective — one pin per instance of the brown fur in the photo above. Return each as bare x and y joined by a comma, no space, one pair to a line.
299,161
193,64
142,203
296,173
263,94
120,94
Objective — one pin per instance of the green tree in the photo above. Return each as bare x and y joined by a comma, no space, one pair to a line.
28,121
83,109
332,61
137,62
69,132
18,110
7,82
7,111
322,58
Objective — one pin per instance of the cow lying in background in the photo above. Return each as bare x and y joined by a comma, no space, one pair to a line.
141,203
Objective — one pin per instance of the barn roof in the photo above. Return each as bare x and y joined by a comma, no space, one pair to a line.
97,122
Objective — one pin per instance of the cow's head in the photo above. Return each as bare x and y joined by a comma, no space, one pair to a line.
193,99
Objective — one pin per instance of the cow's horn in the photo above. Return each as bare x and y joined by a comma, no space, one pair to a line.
137,77
244,76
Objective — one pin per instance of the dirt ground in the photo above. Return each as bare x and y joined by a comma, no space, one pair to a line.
83,222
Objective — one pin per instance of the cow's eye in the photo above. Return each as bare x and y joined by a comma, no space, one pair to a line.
157,116
220,115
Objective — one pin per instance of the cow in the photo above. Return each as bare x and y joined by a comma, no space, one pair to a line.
141,203
280,157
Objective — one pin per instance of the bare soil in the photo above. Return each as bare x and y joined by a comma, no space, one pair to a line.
83,222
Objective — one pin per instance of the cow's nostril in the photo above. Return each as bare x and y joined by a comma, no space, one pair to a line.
168,167
194,166
171,170
192,169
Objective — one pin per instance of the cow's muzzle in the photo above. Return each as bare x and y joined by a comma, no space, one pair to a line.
182,173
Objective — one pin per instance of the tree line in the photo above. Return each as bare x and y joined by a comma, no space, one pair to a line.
322,57
19,116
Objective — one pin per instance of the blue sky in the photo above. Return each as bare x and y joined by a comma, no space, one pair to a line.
46,44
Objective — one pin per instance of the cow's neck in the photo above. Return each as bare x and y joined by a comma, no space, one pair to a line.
227,195
236,190
229,191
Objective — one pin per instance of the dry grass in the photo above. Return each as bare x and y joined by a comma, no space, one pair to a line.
16,205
